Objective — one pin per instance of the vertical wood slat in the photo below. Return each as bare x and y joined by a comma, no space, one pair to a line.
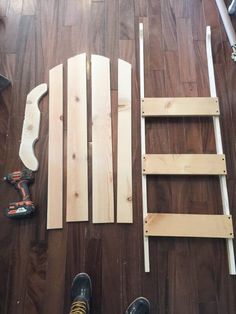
55,149
77,143
143,148
124,151
102,164
219,149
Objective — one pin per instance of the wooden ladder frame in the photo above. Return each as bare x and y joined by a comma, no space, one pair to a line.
185,225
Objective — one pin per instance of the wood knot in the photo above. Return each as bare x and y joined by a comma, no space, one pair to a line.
168,105
77,99
76,194
61,117
30,127
129,198
74,156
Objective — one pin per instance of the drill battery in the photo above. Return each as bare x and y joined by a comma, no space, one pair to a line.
19,209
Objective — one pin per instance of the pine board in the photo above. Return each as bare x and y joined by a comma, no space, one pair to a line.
55,149
184,164
31,125
77,142
102,164
189,225
124,149
181,106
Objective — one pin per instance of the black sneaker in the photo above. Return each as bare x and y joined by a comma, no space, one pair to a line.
139,306
81,292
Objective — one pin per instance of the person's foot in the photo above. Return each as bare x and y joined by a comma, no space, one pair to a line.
81,292
140,305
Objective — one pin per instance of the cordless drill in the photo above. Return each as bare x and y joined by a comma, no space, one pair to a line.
25,207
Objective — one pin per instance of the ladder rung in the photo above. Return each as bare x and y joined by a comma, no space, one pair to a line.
188,225
184,164
180,106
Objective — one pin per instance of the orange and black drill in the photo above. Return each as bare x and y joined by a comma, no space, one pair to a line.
25,207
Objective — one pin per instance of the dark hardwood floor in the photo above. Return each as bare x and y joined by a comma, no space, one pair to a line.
188,276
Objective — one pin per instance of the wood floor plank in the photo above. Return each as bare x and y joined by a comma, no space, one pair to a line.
97,28
173,85
103,194
155,40
111,44
168,26
185,50
181,8
201,68
126,19
56,265
140,8
77,152
55,149
154,7
198,21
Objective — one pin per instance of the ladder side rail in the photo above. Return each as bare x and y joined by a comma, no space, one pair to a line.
219,149
143,147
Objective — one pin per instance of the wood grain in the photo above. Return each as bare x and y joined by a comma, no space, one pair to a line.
55,149
185,225
168,25
186,50
188,106
185,164
77,152
103,197
124,148
31,127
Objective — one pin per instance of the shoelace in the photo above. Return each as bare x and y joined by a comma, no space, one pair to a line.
78,307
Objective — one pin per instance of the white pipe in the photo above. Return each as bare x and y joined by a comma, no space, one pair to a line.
232,7
227,22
